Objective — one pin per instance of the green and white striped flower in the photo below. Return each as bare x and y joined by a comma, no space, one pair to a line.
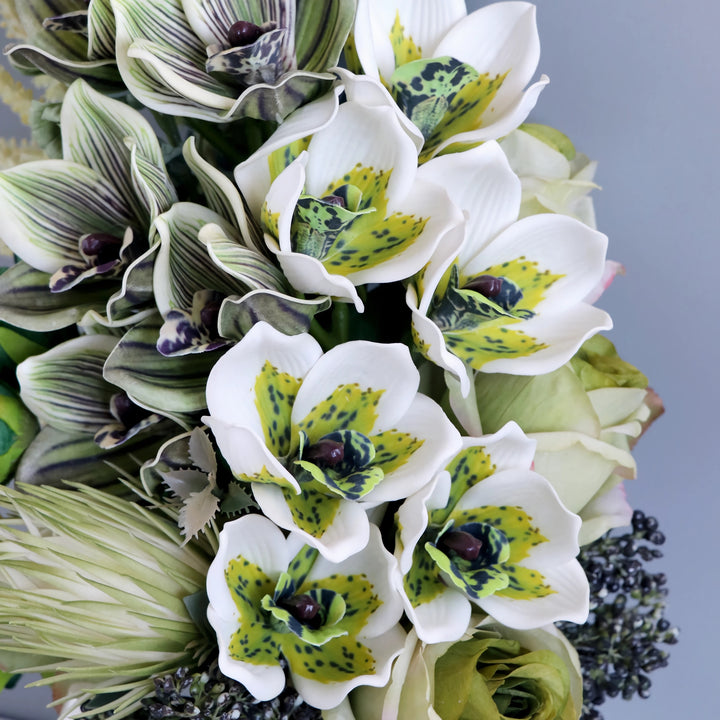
489,532
67,40
322,438
336,624
460,78
65,389
220,60
512,298
92,594
349,207
82,219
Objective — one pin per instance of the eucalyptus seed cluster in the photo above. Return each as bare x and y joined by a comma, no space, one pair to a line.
619,644
209,695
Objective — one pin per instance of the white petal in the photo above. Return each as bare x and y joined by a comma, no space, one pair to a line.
346,535
497,39
253,175
570,601
608,510
384,649
509,448
481,183
564,333
557,243
424,420
231,383
443,619
376,366
412,519
245,451
535,495
370,137
428,334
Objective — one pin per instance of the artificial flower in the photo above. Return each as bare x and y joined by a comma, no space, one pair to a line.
220,60
17,429
490,532
350,208
584,418
554,177
335,624
494,672
67,40
511,298
460,78
79,593
82,220
323,437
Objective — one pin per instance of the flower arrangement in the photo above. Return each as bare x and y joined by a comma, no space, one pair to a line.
305,409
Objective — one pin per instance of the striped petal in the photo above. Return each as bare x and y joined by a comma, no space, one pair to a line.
54,457
222,196
49,204
171,386
64,387
26,302
287,314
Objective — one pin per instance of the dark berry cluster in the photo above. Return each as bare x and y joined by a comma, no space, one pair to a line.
209,695
619,644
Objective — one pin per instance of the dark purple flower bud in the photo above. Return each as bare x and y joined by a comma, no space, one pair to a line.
325,452
461,543
487,285
209,315
334,200
126,411
103,247
304,609
242,33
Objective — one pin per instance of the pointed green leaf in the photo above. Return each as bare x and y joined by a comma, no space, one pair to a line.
321,29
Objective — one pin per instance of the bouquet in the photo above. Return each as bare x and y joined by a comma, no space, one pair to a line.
305,409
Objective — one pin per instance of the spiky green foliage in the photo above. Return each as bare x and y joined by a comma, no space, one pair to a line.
92,591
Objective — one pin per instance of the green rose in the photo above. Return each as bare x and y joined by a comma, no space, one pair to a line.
491,674
494,677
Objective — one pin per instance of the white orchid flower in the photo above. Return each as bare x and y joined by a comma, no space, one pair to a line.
323,437
511,299
349,208
489,532
460,78
336,624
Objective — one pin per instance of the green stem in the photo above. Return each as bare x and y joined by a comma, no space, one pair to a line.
341,322
324,337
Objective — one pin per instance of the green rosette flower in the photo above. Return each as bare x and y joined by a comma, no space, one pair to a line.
494,673
17,429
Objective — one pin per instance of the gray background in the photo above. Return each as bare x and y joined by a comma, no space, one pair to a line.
634,83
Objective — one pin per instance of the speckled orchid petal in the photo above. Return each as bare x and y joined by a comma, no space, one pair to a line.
489,530
356,207
348,428
358,634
